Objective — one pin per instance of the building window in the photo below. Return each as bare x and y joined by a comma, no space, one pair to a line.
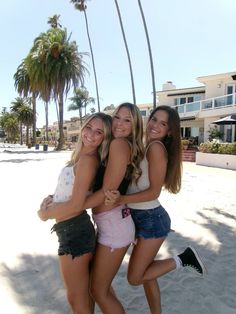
143,113
184,100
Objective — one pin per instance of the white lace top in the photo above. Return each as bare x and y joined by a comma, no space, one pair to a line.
65,184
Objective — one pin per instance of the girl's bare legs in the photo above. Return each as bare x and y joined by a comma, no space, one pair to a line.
105,266
142,258
75,274
153,296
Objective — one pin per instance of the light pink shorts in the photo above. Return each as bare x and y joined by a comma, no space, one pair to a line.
115,231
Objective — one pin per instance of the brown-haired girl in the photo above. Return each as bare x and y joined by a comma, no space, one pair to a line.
161,167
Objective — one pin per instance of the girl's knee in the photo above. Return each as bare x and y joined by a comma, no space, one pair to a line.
96,292
133,280
77,304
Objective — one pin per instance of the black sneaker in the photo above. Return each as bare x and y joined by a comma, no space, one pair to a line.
191,258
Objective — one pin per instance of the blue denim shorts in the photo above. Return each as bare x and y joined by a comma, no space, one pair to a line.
151,223
76,236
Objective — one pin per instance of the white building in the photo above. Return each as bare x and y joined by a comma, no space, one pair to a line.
199,106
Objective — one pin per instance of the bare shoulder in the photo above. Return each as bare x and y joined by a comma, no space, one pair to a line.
120,144
156,149
87,162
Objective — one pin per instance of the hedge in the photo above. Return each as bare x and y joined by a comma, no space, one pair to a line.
218,148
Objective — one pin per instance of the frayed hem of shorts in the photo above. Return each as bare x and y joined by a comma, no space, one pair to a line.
77,255
120,247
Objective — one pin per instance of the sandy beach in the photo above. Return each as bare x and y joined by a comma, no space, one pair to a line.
203,215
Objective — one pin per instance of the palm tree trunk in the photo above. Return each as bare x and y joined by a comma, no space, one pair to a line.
46,118
60,123
27,135
21,134
127,51
80,117
34,118
91,51
150,54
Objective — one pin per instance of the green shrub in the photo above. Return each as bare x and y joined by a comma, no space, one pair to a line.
185,142
214,133
205,147
215,147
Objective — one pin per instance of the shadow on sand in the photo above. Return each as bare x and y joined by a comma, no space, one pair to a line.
36,281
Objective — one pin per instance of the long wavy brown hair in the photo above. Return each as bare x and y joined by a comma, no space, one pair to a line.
173,146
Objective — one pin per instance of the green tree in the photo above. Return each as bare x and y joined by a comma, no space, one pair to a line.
214,133
92,110
24,114
15,108
81,6
53,21
23,87
150,54
127,51
9,123
80,100
55,65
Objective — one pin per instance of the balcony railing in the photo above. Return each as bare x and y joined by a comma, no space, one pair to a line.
207,104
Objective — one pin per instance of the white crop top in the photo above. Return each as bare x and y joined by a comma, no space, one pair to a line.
65,184
143,184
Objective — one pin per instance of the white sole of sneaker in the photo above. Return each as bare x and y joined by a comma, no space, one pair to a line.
204,270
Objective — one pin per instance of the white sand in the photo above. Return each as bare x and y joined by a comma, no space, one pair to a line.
203,215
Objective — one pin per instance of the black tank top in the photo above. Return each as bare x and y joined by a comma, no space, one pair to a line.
99,181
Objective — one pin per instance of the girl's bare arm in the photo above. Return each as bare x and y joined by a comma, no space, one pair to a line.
157,165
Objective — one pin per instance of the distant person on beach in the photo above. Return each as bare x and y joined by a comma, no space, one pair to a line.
161,167
115,226
75,231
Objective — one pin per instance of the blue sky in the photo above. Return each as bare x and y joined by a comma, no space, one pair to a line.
188,38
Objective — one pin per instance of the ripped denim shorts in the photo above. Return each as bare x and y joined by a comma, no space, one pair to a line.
76,236
151,223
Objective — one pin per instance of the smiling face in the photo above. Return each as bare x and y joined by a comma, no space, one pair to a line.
93,133
122,123
158,127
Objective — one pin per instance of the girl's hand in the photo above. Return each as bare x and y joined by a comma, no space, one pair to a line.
112,197
42,213
47,201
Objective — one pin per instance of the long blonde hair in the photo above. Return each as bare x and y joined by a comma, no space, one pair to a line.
135,139
103,148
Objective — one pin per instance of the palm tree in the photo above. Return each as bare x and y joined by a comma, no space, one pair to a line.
92,110
9,123
54,21
81,6
127,50
80,100
16,105
24,88
55,65
24,114
150,54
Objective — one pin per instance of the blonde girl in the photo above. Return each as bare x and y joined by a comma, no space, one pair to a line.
75,231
